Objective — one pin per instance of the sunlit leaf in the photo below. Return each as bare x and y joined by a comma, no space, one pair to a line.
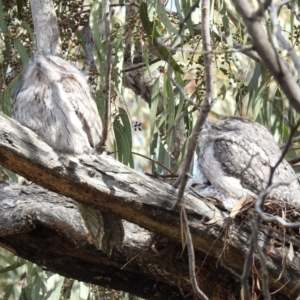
54,285
26,26
8,291
155,38
164,157
22,51
11,175
79,291
164,18
154,105
122,130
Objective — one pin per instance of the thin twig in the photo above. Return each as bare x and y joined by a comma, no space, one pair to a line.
294,140
155,161
182,23
277,33
246,269
269,218
140,65
285,2
255,222
191,254
263,194
123,4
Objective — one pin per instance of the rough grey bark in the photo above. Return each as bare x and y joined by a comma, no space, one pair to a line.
148,266
108,185
45,27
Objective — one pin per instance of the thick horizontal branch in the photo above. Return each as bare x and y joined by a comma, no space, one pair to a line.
97,180
33,225
36,219
112,187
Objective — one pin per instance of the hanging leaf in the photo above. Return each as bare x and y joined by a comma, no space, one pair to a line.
161,12
79,291
123,141
8,291
26,26
186,6
3,26
19,6
12,266
154,38
22,51
54,285
226,24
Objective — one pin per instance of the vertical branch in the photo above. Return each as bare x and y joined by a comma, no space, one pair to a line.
45,27
204,110
190,248
106,118
206,43
205,106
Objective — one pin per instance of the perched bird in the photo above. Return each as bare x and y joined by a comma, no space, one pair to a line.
235,160
55,102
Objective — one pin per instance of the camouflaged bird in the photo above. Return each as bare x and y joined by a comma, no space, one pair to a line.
55,102
235,160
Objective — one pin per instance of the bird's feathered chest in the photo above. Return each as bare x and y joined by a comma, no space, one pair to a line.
237,155
54,100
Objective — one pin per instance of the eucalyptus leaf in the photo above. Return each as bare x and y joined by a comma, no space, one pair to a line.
155,38
3,26
22,51
54,285
12,267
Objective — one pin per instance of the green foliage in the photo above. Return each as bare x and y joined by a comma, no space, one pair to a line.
123,140
22,51
154,36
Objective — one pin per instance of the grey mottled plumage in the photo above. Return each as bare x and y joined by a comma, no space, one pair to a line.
54,100
235,159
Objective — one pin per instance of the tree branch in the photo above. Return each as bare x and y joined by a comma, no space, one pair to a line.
267,52
45,27
101,181
106,118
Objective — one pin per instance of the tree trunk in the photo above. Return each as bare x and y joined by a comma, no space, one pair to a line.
45,27
47,229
